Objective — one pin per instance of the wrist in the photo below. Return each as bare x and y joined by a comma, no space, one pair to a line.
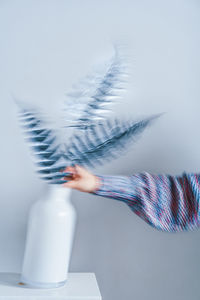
96,184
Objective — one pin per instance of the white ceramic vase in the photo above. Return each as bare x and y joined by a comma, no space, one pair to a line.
49,241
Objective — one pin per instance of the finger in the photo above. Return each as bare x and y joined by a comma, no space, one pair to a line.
69,169
69,177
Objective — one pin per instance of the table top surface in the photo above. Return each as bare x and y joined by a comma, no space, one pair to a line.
78,286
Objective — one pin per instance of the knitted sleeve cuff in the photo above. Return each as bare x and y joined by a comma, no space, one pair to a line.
116,187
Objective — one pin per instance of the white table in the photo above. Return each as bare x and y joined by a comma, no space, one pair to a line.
79,286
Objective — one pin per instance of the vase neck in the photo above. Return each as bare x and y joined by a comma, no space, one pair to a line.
57,192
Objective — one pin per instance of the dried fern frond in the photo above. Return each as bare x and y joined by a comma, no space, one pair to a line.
91,100
96,139
105,141
44,146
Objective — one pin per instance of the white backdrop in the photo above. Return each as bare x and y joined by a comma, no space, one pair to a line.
45,47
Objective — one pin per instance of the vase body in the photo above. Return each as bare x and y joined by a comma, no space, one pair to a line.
49,240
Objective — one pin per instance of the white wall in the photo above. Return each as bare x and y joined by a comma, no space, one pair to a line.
45,47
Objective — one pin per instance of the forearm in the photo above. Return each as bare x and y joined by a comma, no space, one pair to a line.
169,203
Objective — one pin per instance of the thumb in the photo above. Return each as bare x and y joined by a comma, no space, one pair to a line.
80,170
73,184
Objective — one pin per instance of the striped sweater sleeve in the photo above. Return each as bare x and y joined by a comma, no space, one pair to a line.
166,202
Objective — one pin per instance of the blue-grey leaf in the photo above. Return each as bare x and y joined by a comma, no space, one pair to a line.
89,148
43,144
88,102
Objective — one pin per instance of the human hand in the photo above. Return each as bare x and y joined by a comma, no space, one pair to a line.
81,179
